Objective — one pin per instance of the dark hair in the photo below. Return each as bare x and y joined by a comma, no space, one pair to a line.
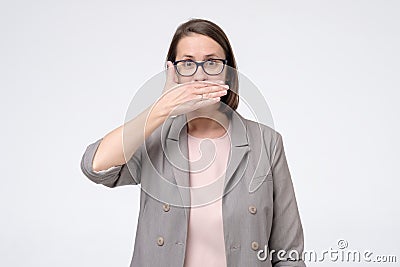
210,29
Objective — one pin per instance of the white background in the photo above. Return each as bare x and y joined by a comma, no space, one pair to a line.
69,69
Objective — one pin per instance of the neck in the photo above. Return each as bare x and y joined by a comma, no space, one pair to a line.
207,125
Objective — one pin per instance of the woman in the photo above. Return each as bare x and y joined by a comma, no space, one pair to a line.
230,204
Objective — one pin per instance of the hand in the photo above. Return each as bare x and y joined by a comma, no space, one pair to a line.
179,99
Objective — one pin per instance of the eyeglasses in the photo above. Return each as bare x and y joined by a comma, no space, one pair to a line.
188,67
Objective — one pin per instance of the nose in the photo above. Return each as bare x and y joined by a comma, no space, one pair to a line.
200,75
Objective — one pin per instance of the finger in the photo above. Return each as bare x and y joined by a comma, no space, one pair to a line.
213,82
215,94
171,74
211,89
198,84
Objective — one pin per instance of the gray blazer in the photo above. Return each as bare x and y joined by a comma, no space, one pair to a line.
259,207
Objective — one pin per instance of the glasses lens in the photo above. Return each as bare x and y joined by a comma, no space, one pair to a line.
213,67
186,68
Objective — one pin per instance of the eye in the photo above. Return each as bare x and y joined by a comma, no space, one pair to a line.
212,61
188,63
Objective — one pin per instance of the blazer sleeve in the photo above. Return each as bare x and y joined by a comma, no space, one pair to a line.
126,174
286,231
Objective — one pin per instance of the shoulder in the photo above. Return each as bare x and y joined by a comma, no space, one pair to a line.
258,129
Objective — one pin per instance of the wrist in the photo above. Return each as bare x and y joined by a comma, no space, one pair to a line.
158,113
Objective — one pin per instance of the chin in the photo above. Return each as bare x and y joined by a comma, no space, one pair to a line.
211,109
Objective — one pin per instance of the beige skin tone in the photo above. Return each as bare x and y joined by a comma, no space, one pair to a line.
207,121
181,95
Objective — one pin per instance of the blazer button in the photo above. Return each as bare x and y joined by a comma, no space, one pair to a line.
252,209
254,245
160,241
166,207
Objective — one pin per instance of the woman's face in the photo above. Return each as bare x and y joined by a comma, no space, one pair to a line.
198,47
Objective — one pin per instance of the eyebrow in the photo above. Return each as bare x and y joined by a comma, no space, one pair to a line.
209,55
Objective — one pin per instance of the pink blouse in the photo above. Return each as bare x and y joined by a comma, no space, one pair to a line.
208,159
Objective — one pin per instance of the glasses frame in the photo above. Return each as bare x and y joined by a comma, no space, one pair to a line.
201,63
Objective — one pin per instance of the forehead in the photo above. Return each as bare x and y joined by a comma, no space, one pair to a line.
198,46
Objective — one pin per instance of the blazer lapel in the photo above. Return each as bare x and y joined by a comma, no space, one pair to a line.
239,148
178,154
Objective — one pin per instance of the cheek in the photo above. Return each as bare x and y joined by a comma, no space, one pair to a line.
220,77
